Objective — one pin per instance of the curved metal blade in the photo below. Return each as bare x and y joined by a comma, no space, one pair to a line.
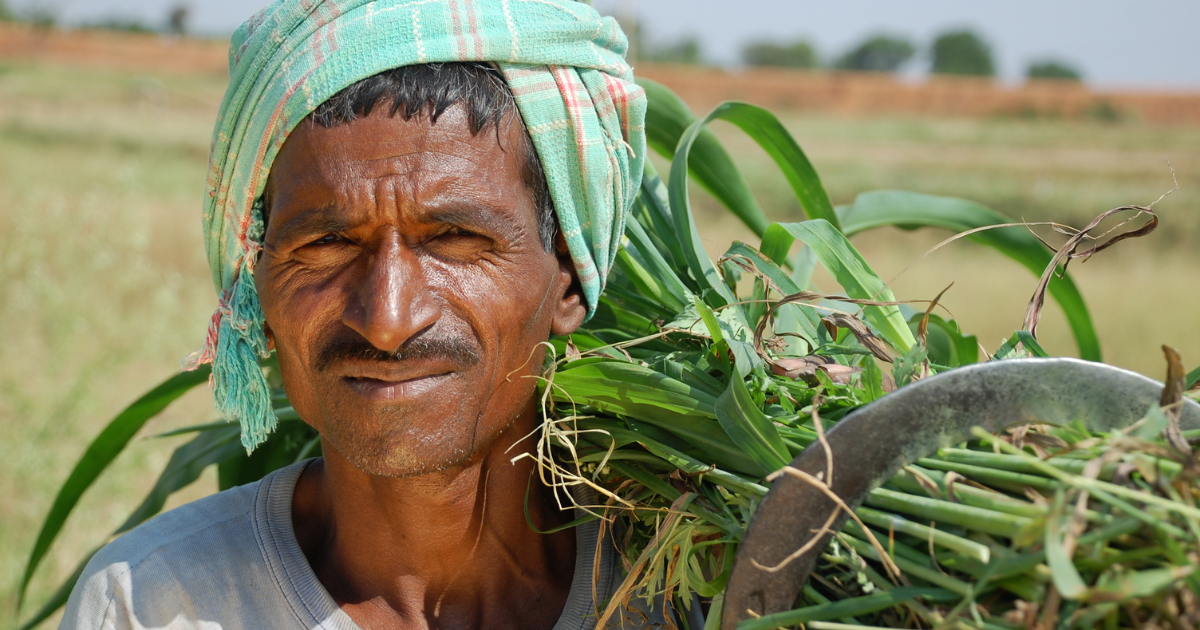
873,443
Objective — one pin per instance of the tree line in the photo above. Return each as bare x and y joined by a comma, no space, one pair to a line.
175,22
958,52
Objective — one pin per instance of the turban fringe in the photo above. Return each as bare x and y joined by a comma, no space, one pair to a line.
563,62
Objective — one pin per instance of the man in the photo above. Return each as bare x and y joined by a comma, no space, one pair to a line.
383,216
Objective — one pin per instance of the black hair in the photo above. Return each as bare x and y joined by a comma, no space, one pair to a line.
428,90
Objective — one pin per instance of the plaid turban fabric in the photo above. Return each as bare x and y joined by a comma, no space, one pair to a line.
563,62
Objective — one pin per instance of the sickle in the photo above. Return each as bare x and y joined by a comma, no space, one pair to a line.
873,443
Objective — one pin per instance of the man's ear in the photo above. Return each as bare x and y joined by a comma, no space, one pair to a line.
570,307
270,335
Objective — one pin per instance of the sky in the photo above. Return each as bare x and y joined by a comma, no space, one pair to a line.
1142,44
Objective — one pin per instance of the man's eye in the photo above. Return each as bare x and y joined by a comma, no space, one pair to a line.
328,239
459,232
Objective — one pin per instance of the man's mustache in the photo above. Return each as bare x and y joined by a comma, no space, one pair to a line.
456,349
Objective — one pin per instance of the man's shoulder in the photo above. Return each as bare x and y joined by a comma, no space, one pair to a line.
205,556
185,530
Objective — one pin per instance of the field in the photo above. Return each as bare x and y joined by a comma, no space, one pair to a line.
105,287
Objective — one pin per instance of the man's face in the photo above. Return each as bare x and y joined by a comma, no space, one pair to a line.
406,289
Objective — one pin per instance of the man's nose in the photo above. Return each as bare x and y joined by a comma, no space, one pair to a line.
392,302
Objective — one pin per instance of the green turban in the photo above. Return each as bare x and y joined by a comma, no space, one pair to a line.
566,69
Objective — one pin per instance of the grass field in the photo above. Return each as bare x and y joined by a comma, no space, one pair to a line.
105,287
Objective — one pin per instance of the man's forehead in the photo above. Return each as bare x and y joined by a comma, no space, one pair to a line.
443,166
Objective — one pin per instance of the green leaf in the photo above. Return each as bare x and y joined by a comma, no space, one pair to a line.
853,606
654,262
100,453
851,271
61,594
912,210
700,267
703,434
907,367
667,117
872,380
1011,349
1192,378
630,389
187,462
946,343
646,284
185,466
750,428
652,208
1031,344
1062,569
694,467
1154,423
1127,585
764,128
285,447
770,268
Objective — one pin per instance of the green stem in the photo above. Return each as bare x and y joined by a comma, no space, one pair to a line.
1003,478
969,495
1095,486
900,524
974,518
909,567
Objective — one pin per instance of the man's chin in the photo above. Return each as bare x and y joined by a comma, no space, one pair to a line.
379,459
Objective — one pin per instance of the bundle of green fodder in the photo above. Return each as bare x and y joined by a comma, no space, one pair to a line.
678,402
696,380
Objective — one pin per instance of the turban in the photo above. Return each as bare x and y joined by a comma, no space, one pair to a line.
563,63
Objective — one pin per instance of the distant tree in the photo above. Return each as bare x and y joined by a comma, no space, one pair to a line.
177,19
119,24
686,50
1051,69
798,54
962,52
881,53
6,14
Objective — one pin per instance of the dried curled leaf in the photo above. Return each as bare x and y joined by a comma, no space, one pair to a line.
1172,400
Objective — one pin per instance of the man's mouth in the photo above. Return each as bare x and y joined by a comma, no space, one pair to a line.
397,381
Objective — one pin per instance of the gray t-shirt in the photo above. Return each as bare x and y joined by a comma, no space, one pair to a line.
231,561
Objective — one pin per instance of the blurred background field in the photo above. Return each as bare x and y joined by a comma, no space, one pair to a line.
104,286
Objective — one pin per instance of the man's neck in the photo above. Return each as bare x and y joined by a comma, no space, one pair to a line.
451,549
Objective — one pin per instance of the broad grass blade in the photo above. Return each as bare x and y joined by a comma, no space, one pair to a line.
652,208
851,270
676,293
764,128
667,117
947,344
100,453
60,596
854,606
750,428
630,389
645,284
913,210
769,267
1066,577
185,466
285,447
701,268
